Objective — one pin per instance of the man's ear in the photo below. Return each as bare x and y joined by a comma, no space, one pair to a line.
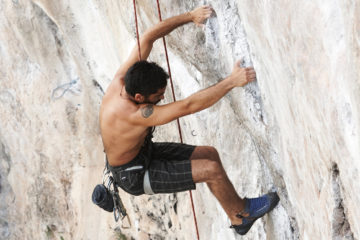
139,98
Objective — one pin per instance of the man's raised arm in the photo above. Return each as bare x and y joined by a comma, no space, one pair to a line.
198,16
152,115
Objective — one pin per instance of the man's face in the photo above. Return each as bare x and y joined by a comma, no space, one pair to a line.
156,97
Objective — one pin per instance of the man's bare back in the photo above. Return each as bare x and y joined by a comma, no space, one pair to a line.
122,139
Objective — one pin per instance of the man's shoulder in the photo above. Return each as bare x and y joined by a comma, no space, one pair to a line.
114,104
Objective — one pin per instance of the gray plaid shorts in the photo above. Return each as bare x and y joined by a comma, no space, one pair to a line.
169,168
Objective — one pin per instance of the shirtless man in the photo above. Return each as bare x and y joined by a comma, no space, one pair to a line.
128,112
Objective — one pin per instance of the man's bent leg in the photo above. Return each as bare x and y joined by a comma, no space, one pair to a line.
206,167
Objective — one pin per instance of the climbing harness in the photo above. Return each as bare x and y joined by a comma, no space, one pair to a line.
173,94
148,143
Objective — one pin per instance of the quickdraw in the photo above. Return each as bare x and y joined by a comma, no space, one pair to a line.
119,209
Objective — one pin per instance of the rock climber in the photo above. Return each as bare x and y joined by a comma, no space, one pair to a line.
129,111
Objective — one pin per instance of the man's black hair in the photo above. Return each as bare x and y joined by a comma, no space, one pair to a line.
145,78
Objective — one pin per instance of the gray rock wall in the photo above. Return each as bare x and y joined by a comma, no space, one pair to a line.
294,130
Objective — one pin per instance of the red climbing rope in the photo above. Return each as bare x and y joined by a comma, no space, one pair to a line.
137,30
174,98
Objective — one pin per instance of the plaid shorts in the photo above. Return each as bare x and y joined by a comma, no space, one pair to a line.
169,168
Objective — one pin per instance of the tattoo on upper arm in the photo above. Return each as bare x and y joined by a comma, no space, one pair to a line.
147,110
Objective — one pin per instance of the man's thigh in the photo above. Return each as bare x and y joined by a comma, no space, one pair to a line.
165,151
170,167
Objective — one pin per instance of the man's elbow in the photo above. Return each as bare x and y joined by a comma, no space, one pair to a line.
147,38
189,106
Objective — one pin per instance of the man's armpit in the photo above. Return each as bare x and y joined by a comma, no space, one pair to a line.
147,110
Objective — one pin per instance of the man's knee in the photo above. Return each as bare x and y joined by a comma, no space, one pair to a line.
214,154
208,152
205,170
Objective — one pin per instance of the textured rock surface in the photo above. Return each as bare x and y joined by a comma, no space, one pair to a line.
295,130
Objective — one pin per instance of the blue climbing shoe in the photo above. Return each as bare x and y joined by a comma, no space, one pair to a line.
256,208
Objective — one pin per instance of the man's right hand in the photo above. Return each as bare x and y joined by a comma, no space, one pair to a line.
200,14
242,76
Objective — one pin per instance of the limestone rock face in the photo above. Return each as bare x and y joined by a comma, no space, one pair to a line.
295,130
